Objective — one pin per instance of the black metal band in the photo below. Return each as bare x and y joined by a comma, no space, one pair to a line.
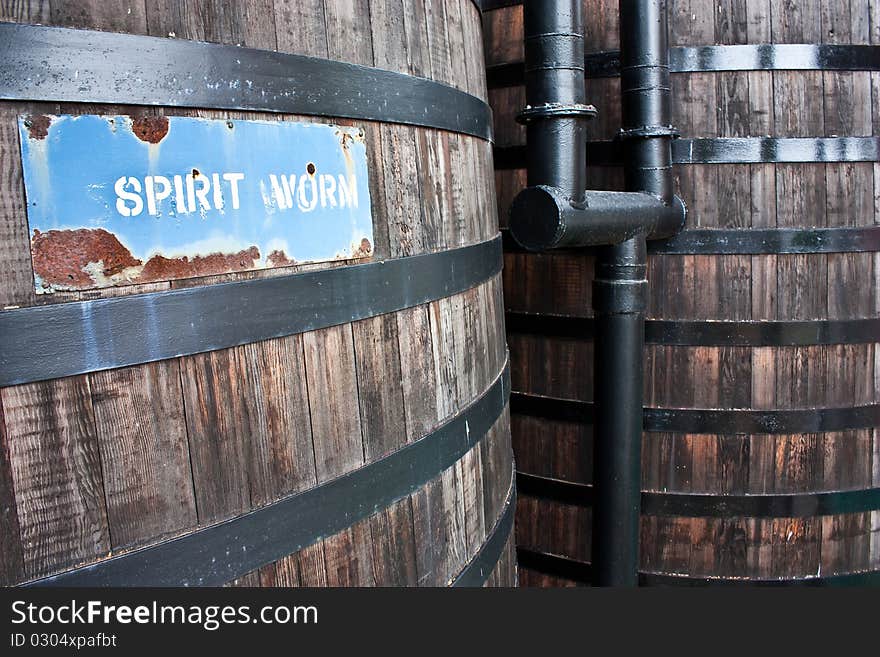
478,570
554,565
710,420
555,111
55,64
711,333
220,553
694,505
53,341
556,490
752,241
757,241
580,571
491,5
794,505
727,150
775,57
707,59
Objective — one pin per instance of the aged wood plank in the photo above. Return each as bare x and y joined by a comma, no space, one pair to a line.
15,247
11,557
416,27
300,27
330,373
347,558
473,45
380,394
281,435
502,35
394,545
128,16
455,38
349,37
56,474
338,443
142,437
388,34
404,214
249,23
439,52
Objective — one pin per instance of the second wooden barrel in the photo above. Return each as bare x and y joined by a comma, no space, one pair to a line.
228,412
760,452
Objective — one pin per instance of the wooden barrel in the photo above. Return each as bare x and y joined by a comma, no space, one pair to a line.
760,452
239,416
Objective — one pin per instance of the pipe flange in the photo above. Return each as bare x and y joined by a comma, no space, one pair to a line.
556,110
648,131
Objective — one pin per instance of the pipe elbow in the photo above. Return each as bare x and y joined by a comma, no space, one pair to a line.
671,222
537,218
542,218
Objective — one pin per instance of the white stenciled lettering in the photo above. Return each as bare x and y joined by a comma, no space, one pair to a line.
156,189
200,194
191,192
218,194
348,191
328,191
307,185
124,196
233,179
179,201
281,191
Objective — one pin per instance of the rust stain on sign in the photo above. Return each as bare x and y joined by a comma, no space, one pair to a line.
151,129
38,126
160,268
63,259
84,257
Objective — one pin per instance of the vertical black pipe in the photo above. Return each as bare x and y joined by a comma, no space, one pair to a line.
620,296
555,113
645,97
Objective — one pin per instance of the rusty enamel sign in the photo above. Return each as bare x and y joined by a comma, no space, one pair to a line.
113,200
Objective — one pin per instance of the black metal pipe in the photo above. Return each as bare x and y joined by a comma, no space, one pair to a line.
619,299
546,219
556,210
556,111
620,295
647,132
555,116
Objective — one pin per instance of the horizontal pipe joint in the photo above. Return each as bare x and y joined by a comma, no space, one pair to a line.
543,217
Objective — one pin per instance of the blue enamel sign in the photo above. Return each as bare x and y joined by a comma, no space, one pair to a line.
116,200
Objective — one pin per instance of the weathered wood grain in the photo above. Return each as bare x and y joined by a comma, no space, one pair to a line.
56,474
152,451
729,287
141,430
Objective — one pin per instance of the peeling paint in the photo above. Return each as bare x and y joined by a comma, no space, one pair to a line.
362,250
86,258
74,259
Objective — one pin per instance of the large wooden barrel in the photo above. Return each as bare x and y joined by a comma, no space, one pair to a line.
241,416
760,452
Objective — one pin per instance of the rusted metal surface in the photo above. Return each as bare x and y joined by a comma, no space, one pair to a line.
70,259
38,126
122,200
151,129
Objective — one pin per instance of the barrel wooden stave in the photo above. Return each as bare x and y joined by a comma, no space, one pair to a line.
100,463
718,287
